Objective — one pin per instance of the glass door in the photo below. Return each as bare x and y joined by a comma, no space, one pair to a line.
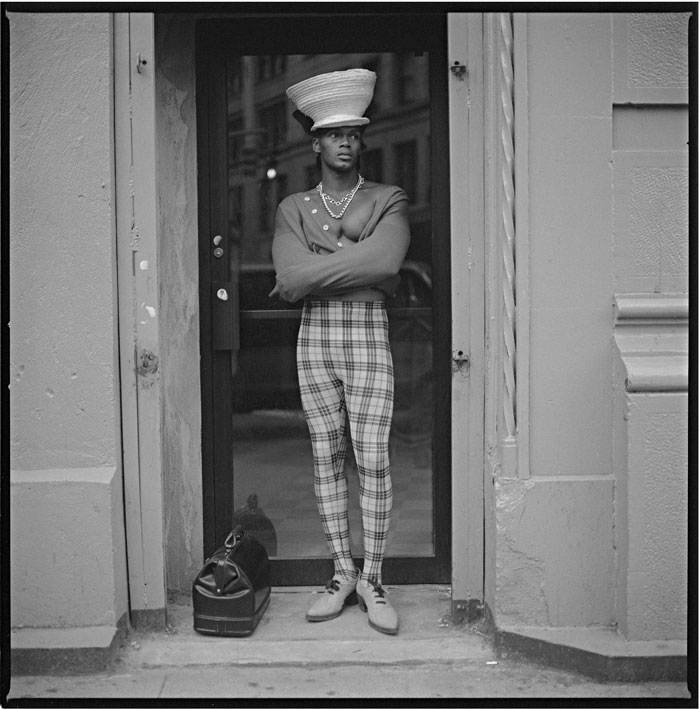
259,445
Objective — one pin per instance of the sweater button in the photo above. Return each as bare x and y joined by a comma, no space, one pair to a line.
314,211
325,227
340,245
307,199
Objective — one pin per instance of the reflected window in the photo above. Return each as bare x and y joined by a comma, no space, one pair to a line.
235,138
371,163
273,121
374,107
408,83
269,66
281,189
235,208
405,154
312,176
235,78
272,192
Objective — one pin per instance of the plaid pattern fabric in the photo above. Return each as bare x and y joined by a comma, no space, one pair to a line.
346,377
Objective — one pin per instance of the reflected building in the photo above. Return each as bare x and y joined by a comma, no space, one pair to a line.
269,154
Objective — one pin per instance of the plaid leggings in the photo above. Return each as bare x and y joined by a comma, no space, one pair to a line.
346,374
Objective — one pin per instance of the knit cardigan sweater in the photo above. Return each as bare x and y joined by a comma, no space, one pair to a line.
309,262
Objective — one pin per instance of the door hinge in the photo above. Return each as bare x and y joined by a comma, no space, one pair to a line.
140,63
459,70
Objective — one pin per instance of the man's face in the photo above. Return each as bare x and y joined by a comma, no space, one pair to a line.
339,148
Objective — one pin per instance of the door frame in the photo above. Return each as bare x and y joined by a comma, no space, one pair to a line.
466,122
138,296
144,432
210,36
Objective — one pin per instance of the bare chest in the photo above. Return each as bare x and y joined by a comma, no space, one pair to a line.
355,218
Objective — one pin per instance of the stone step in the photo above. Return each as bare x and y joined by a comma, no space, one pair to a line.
284,637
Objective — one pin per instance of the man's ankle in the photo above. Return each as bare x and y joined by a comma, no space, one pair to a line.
346,576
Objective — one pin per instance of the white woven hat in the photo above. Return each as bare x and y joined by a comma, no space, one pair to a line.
338,98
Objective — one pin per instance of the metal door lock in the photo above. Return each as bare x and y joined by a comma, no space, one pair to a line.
218,252
222,294
460,361
147,363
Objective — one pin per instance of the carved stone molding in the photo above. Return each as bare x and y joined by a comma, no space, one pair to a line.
651,334
507,200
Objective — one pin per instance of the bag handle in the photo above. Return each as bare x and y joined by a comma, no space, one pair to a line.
220,572
234,537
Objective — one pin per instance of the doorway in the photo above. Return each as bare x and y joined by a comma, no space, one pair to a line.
256,453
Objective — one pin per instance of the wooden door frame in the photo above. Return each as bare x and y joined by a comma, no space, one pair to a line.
404,30
466,121
141,394
141,430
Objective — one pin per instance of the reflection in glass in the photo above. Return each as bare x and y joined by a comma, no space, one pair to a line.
269,157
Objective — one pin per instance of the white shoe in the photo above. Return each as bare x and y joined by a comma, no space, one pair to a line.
373,601
339,593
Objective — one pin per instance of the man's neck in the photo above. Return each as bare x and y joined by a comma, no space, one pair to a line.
339,183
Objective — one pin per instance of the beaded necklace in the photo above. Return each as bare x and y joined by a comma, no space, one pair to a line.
344,203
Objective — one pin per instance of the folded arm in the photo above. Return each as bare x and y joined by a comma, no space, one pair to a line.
372,262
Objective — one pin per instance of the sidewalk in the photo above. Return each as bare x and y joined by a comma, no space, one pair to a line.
289,658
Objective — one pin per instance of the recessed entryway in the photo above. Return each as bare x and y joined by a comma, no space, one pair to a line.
256,451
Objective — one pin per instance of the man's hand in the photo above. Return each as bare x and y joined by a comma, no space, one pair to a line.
281,293
275,291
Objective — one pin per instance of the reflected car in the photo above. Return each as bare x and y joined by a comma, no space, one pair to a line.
265,375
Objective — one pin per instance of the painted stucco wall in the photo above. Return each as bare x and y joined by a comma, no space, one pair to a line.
554,550
179,302
608,213
650,153
554,564
64,390
68,560
651,256
63,383
571,284
656,580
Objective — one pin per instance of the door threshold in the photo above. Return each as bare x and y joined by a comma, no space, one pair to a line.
425,610
440,588
285,637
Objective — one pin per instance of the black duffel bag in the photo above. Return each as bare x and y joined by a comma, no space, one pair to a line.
232,591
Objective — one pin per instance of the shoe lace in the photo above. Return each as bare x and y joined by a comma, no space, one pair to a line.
378,590
332,586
